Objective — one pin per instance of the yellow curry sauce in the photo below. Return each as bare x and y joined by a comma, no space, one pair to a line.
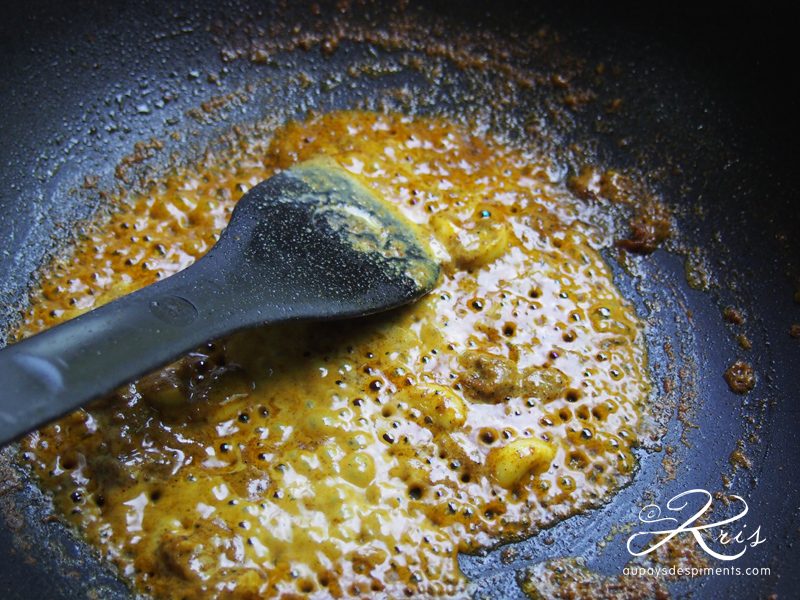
347,459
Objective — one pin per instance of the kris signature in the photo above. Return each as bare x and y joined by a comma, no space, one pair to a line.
651,515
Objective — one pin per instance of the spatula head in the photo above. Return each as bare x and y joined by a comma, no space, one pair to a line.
309,243
314,242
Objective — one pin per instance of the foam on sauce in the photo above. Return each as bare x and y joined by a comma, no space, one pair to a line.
361,457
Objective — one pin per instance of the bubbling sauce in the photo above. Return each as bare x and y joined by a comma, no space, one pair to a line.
355,458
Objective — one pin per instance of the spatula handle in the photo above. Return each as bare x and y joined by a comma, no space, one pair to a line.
54,372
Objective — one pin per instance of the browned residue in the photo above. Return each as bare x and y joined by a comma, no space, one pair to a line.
595,184
260,45
651,223
681,552
733,315
744,342
569,578
215,104
697,269
738,458
741,377
650,226
141,152
670,464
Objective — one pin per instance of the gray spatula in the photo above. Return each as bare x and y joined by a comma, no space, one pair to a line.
308,243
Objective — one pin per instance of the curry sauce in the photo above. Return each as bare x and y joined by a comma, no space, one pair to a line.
355,458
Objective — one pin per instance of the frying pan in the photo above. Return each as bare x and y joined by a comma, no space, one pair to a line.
690,100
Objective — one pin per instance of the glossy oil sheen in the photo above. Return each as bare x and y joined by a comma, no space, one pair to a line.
359,457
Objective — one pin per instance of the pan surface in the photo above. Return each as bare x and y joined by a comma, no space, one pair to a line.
701,119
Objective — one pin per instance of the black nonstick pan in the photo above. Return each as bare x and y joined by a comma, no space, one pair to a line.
695,103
